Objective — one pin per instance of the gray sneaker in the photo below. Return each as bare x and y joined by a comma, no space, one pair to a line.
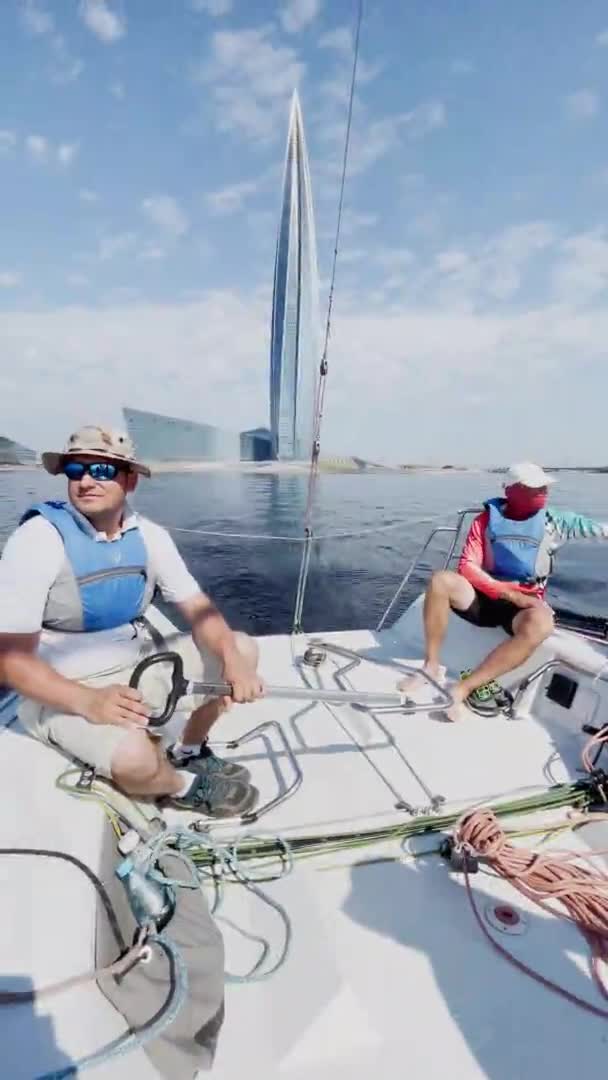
208,762
215,796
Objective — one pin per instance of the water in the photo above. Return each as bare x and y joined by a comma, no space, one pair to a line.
351,581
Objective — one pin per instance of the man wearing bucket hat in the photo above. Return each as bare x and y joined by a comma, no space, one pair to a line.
76,578
501,582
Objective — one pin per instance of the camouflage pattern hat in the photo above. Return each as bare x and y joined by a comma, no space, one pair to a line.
101,442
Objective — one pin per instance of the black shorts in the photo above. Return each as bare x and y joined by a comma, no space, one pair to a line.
484,611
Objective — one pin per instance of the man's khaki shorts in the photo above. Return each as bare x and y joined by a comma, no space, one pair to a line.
95,744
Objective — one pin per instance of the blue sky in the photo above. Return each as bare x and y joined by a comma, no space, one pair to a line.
141,153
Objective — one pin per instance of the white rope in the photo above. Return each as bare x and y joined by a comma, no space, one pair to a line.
293,539
237,535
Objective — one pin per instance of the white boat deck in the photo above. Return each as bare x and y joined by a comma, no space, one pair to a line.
387,969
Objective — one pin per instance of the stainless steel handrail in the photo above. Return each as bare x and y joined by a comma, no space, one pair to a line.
204,824
456,530
407,706
549,665
354,658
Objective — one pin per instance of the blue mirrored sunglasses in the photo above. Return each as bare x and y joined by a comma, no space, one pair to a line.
97,470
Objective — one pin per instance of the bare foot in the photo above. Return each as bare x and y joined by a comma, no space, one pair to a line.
411,683
457,711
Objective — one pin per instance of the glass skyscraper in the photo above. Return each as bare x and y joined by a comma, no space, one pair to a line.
295,337
169,438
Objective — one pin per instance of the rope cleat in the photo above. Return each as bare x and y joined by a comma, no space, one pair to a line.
458,856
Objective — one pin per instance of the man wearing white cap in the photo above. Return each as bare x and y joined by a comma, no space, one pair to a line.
76,578
501,581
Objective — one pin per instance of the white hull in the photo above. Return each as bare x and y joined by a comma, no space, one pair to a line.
387,971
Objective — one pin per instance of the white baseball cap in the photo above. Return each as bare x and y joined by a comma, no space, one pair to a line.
532,476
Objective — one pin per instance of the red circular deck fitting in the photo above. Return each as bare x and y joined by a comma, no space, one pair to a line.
505,918
506,915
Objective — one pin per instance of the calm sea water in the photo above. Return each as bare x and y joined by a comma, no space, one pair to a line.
351,580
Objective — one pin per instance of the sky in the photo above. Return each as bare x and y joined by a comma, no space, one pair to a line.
141,154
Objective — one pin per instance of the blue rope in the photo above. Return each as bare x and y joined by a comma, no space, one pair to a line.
227,859
135,1040
255,975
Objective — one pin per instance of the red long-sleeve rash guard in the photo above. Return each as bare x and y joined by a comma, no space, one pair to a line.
476,555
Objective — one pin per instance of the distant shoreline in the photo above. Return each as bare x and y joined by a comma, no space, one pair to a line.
342,466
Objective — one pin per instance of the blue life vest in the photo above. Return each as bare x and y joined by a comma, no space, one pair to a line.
103,584
519,548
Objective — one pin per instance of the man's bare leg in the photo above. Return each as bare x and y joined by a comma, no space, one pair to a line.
446,590
531,627
140,767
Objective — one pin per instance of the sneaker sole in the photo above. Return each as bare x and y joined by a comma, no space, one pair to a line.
496,707
245,806
480,710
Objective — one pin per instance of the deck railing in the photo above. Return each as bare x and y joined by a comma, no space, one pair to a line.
455,530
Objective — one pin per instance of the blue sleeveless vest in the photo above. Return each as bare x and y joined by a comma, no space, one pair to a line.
518,547
103,584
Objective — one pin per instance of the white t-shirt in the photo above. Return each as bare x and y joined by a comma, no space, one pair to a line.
32,558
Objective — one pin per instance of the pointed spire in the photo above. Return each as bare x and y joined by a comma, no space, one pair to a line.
294,347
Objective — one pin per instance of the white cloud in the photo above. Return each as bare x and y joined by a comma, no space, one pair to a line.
493,268
165,212
337,86
393,259
581,275
102,21
66,153
353,220
187,359
113,244
35,18
8,141
340,39
9,279
215,8
435,328
296,14
161,342
37,147
230,199
65,67
252,80
117,89
42,150
425,118
374,139
87,195
602,38
582,104
450,261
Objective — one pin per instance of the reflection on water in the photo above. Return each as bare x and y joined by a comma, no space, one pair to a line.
351,580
